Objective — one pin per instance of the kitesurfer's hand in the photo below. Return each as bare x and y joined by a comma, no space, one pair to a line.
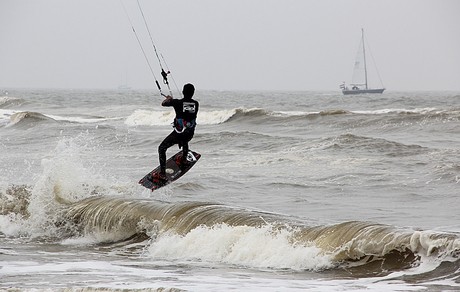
169,97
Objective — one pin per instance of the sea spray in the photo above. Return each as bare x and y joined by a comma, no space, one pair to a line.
65,180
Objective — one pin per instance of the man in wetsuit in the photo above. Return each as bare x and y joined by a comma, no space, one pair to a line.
184,127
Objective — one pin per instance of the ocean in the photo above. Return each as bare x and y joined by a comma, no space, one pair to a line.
295,191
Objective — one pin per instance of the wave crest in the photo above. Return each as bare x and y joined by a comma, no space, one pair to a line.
28,118
216,232
7,101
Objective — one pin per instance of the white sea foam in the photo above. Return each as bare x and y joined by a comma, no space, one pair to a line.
241,245
149,118
398,111
162,118
79,119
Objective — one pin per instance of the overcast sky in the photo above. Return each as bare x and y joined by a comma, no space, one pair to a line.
229,45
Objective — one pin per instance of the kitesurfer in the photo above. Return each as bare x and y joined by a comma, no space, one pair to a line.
184,127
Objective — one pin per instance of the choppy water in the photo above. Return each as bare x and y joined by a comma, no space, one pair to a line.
296,191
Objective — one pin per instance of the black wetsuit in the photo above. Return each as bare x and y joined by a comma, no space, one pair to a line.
184,127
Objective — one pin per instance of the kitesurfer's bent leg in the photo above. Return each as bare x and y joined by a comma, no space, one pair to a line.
169,141
186,137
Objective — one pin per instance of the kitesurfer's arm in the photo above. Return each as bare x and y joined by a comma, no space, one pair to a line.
168,98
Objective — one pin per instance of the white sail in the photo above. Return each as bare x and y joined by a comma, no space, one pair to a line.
359,70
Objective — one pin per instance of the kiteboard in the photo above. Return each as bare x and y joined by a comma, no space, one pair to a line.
174,170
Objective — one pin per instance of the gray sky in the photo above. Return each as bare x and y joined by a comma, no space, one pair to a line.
229,45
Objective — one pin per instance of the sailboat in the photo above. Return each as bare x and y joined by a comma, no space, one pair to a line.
359,83
124,85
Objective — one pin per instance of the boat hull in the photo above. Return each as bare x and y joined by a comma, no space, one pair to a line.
362,91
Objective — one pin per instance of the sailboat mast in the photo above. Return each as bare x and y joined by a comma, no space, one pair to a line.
364,55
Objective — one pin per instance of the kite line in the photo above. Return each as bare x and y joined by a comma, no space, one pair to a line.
164,73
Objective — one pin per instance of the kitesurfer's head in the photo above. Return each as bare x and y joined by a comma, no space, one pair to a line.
188,90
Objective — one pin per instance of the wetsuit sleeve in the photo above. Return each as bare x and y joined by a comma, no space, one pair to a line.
170,102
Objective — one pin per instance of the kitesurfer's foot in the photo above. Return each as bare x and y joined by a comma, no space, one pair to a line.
159,177
184,162
181,161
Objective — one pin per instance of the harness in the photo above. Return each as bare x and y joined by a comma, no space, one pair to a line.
181,125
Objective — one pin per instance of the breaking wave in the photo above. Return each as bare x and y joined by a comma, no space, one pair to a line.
29,118
7,101
219,233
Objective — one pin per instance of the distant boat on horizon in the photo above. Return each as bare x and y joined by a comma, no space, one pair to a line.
124,85
359,83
